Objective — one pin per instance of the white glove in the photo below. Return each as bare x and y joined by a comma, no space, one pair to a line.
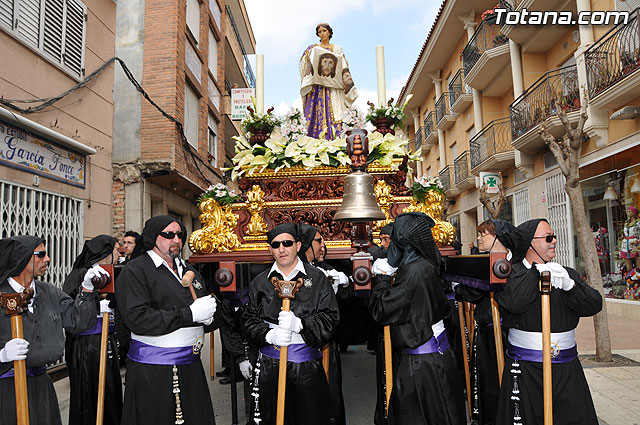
94,271
381,266
14,349
560,277
104,307
289,321
278,336
543,268
245,369
340,277
203,309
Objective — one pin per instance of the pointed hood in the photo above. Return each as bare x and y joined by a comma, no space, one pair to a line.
16,251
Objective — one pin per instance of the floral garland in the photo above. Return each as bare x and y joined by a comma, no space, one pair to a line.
422,185
220,193
289,147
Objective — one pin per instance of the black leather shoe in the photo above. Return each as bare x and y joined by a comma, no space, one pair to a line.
223,372
226,380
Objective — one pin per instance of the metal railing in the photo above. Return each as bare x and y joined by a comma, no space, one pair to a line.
614,56
494,138
228,86
418,137
442,107
461,167
538,102
486,37
429,124
248,71
445,178
457,87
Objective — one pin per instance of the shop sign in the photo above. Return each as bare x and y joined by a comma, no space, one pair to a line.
27,153
240,99
491,181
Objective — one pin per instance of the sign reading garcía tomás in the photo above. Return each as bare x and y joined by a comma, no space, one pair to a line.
25,152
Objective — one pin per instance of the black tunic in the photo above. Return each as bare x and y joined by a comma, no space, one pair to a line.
426,389
83,363
307,395
53,311
153,302
521,301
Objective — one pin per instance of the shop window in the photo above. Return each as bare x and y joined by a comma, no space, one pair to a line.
550,161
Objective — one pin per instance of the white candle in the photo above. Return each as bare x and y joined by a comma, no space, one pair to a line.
260,83
382,90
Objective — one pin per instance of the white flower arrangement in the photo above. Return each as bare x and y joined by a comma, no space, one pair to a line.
221,193
427,181
294,124
353,118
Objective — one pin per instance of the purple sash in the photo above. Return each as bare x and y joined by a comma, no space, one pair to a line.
451,296
97,329
437,344
149,354
297,353
32,371
562,356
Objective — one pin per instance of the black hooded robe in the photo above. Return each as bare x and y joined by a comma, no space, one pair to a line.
53,311
82,352
153,303
521,305
308,399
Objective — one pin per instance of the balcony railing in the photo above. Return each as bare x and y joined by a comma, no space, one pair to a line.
538,102
442,107
486,37
445,178
461,168
429,124
248,71
418,137
457,88
494,138
614,56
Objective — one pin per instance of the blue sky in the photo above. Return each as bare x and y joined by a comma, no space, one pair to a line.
284,28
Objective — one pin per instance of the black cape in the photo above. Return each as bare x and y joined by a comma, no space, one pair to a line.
308,397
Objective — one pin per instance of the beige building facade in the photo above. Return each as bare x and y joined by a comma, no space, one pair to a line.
481,91
55,162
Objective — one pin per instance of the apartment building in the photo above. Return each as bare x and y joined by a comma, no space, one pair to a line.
186,54
55,161
481,91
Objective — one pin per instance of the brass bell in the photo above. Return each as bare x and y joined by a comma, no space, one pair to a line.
359,201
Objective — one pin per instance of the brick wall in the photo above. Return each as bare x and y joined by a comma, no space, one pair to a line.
117,190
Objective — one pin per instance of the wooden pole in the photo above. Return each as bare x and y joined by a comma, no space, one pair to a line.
497,335
212,362
471,324
282,374
325,360
547,383
102,371
465,353
388,365
20,375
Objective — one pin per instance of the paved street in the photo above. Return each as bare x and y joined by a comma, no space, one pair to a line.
615,389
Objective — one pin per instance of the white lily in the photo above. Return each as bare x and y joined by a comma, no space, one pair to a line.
246,159
324,158
241,143
292,150
277,145
310,161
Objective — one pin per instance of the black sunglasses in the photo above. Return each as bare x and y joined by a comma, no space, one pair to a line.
171,235
547,239
286,243
40,254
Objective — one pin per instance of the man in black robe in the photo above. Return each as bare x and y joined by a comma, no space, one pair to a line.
166,382
493,236
521,394
305,330
82,352
24,259
312,251
426,389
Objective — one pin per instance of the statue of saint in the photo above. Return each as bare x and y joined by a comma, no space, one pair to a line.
326,87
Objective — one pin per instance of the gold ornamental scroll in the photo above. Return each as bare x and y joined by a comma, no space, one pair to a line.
218,223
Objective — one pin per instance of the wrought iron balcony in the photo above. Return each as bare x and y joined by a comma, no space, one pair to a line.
430,130
461,175
558,87
418,137
485,39
491,148
248,71
444,116
445,178
612,63
460,93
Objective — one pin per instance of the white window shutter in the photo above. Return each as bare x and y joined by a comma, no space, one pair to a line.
74,36
6,13
53,28
29,22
